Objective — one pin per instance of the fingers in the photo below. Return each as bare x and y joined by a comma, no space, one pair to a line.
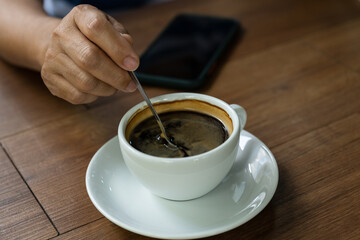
93,60
60,87
66,80
80,79
120,28
116,25
98,56
89,55
104,32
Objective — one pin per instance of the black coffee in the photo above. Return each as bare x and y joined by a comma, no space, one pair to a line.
193,132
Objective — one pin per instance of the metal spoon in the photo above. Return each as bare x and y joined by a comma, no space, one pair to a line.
158,120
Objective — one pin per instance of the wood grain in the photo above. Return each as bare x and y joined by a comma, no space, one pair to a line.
309,193
283,88
101,229
25,102
319,187
340,42
53,159
266,23
295,70
317,191
21,217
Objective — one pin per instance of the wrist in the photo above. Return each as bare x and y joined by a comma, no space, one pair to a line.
44,39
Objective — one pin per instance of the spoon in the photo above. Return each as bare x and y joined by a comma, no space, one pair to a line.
158,120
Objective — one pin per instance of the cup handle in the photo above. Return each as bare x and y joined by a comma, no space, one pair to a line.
240,111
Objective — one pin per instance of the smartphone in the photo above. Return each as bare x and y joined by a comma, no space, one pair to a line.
185,54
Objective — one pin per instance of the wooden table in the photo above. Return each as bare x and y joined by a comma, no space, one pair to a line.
296,71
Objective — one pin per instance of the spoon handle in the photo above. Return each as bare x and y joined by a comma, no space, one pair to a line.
147,100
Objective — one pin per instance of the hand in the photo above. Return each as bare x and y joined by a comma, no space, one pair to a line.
88,56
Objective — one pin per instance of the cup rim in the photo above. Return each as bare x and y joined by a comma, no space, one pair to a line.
173,97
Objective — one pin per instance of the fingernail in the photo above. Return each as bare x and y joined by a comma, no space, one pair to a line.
130,63
131,87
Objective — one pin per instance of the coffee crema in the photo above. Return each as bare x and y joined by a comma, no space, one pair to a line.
195,126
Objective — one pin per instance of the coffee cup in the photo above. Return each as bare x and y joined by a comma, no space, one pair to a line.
190,177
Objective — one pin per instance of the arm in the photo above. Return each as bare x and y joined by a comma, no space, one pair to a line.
26,30
83,56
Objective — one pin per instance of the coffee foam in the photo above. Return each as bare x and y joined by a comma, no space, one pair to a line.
180,105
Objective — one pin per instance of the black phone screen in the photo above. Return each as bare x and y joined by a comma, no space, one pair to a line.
187,47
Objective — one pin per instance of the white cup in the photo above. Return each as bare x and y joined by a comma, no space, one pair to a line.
189,177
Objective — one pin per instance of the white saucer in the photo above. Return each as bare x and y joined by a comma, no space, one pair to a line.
246,190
